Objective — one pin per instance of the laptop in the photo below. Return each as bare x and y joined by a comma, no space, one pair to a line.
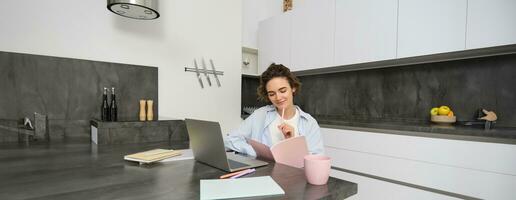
208,147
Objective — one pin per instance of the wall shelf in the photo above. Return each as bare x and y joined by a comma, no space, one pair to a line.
127,132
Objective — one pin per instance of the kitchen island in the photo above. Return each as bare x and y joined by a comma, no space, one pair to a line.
85,171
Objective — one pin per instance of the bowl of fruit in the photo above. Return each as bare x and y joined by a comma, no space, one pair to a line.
442,115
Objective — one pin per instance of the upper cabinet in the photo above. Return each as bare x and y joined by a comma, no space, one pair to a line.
312,34
365,30
255,11
274,40
431,26
324,33
491,23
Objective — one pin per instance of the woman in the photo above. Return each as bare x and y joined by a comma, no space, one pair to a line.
281,120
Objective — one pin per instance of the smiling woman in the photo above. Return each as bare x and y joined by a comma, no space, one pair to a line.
281,119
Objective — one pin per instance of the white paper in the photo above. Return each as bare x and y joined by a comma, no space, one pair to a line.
239,188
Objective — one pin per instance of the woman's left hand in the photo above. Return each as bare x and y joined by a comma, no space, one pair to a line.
287,130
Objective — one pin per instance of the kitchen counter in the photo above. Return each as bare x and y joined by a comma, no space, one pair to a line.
10,131
85,171
502,135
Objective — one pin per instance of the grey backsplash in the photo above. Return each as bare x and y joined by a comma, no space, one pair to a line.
69,91
249,95
407,93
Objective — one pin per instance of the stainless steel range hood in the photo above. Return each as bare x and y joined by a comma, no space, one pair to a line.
136,9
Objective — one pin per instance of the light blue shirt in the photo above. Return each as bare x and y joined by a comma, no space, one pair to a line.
256,127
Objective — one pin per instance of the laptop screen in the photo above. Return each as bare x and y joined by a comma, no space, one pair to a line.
207,143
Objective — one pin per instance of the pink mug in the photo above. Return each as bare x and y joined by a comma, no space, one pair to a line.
317,169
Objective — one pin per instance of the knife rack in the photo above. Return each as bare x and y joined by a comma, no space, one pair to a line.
206,72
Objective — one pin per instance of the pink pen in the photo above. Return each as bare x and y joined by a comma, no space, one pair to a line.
245,172
282,115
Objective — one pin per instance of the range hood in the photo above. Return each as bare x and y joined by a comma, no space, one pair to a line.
136,9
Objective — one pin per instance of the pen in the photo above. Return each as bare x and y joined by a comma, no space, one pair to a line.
244,173
233,174
282,115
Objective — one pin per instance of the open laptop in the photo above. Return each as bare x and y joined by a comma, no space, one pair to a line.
208,147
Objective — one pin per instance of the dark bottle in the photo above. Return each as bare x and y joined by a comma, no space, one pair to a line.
113,107
104,114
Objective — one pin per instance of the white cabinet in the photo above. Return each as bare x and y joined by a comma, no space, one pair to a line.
323,33
431,26
369,188
274,40
442,164
254,11
365,30
491,23
312,34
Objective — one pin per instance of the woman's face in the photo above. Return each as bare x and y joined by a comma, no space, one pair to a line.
280,93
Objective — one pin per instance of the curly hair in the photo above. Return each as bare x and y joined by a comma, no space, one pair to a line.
273,71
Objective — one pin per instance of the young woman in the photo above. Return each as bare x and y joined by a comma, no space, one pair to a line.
280,120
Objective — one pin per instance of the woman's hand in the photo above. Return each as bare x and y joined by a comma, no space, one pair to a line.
287,130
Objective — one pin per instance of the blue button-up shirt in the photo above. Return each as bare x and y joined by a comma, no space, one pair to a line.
256,127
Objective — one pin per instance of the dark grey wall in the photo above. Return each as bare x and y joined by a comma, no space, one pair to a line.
69,91
249,96
406,93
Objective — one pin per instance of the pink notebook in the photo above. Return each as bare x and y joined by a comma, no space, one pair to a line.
289,152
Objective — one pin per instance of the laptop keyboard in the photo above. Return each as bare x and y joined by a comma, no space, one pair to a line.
235,164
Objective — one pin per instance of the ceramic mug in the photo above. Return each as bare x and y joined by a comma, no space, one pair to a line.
317,169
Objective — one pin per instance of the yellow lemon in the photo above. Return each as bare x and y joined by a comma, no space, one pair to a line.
444,110
434,111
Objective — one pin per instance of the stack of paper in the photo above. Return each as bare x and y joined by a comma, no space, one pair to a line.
239,188
152,155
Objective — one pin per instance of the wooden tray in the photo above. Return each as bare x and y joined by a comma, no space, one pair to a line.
443,119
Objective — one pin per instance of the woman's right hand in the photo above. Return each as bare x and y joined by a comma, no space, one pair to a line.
287,130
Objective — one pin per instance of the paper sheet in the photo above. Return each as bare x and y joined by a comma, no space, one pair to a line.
239,188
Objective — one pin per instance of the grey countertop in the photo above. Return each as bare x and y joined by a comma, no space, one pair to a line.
13,127
84,171
505,135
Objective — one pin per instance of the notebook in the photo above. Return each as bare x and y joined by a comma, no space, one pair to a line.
186,154
152,155
289,152
239,188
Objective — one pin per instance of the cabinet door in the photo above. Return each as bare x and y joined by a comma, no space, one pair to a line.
254,11
491,23
274,39
312,34
441,164
365,30
431,26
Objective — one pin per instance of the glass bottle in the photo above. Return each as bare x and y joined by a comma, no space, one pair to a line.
104,114
113,107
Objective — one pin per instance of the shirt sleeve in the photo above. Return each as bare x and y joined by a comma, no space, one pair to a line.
314,138
236,139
